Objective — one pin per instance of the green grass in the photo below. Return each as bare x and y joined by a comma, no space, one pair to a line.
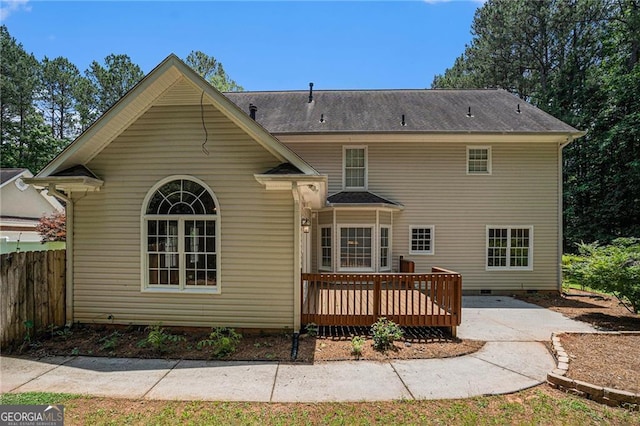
36,398
572,286
538,406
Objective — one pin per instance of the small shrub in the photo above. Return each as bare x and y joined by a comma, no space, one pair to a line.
357,344
29,326
159,339
64,333
110,342
223,341
384,333
312,329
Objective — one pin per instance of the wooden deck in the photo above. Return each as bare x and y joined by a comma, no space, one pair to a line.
433,299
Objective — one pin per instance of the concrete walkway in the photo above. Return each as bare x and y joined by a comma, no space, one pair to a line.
514,358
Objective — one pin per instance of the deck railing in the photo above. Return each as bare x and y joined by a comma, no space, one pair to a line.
433,299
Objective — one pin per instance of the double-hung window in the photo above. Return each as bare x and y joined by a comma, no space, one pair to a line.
385,248
181,237
355,168
509,248
326,248
478,160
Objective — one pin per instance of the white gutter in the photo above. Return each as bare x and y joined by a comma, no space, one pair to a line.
297,259
560,211
69,244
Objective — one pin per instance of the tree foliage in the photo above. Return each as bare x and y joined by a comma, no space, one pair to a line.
110,82
46,104
577,60
24,138
614,269
212,71
58,100
52,227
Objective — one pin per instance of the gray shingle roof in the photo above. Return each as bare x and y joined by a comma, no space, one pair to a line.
365,111
75,171
359,197
8,174
284,169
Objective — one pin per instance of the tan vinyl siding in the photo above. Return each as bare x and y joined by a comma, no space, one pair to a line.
430,180
325,218
256,278
355,217
385,218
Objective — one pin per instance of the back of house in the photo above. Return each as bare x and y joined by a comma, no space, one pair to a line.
191,207
469,180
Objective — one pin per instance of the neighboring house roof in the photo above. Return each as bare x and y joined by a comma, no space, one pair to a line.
7,175
22,201
372,111
140,98
360,198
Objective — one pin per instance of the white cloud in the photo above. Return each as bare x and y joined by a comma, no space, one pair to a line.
10,6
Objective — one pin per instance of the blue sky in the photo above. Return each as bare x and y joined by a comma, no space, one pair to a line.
262,45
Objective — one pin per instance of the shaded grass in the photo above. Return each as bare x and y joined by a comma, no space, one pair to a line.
537,406
573,286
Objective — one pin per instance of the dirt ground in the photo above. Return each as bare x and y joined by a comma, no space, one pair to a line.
606,360
601,359
119,341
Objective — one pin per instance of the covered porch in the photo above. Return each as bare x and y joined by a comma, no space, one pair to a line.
408,299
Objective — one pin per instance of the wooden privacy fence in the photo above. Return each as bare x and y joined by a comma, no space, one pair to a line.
433,299
33,292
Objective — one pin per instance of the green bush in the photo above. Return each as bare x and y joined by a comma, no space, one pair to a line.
159,339
223,341
384,333
613,269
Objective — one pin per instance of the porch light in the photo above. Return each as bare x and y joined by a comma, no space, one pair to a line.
305,223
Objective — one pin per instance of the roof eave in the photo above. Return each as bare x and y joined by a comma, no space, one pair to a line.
366,206
67,183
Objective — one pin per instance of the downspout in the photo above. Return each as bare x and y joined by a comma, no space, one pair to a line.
69,244
560,212
297,258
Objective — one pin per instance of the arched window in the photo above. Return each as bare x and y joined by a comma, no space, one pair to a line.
181,236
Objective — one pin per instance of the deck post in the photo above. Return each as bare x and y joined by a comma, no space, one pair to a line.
376,297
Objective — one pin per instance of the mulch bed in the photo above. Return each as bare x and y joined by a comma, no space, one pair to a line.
124,342
608,360
605,360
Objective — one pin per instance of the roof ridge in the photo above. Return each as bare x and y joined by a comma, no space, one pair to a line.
305,91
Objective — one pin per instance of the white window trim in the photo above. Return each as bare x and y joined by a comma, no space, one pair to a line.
366,168
144,264
489,160
390,255
374,247
433,240
320,266
508,260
